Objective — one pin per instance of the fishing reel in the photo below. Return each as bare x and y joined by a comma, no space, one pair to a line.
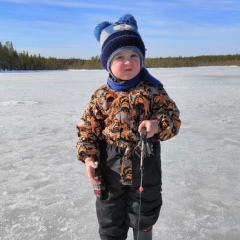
144,147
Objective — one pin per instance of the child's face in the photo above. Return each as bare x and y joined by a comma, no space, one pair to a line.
125,65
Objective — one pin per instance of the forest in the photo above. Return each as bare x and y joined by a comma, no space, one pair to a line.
10,59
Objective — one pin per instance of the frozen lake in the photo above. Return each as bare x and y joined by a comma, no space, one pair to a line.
45,193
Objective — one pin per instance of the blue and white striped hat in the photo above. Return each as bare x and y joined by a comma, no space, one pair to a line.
119,36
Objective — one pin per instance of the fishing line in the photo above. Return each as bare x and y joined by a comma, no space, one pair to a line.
141,189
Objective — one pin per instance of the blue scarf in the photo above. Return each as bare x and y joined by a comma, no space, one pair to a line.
144,74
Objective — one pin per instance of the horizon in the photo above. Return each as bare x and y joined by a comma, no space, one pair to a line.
60,29
89,59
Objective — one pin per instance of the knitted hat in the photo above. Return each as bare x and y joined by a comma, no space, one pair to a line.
119,36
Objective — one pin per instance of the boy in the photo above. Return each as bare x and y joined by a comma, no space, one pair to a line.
109,134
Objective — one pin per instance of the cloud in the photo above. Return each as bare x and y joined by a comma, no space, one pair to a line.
213,5
190,31
85,5
17,1
74,4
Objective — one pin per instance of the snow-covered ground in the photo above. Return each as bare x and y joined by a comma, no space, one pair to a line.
45,193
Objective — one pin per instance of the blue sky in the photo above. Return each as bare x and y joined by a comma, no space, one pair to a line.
64,28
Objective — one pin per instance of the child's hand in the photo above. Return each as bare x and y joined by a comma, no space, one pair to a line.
90,170
151,127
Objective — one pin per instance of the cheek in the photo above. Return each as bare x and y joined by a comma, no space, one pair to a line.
137,65
116,66
115,69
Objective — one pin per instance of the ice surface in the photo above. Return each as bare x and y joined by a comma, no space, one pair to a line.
45,193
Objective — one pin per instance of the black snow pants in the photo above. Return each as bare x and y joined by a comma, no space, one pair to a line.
119,207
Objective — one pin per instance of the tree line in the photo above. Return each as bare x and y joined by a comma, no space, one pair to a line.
10,59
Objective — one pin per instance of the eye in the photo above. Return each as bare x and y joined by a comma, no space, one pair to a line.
134,55
119,57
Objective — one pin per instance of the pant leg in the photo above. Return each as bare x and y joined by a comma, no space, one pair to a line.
112,208
151,197
111,213
151,202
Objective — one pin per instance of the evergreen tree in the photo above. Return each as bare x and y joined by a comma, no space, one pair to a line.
10,59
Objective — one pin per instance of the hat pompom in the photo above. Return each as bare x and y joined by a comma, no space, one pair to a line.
99,28
128,19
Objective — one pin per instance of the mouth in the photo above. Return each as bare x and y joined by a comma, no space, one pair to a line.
128,70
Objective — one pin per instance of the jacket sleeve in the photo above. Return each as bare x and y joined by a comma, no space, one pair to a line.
167,114
89,131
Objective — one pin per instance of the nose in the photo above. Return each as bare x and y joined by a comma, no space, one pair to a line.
128,60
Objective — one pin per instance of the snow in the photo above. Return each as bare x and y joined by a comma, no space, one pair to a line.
45,193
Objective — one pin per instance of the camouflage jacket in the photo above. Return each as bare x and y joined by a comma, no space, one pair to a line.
115,116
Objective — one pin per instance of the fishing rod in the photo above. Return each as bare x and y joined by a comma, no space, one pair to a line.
146,151
143,140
